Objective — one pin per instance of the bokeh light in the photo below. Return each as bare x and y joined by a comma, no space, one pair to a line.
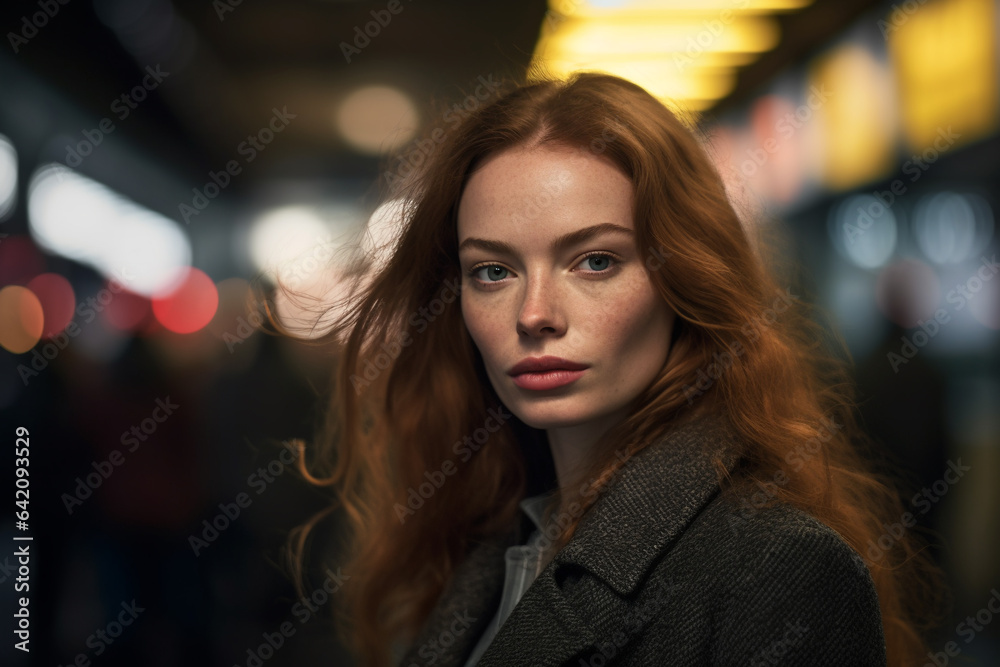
282,238
686,53
190,306
21,319
8,177
951,227
79,218
377,119
863,230
57,300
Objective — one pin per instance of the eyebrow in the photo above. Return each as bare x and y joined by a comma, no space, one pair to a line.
559,244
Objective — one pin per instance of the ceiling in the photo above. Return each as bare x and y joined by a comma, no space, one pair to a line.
231,62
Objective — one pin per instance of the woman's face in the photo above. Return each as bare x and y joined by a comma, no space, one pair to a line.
550,268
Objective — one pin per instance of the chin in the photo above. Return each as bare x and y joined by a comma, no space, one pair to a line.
546,417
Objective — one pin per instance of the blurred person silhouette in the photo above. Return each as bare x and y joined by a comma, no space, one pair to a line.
902,397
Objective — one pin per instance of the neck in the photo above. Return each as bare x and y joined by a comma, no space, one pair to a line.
574,448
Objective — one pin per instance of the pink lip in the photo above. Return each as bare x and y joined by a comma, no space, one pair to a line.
547,372
546,379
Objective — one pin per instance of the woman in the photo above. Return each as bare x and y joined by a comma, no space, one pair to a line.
577,421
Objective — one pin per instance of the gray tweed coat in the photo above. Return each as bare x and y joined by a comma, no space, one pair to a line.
662,572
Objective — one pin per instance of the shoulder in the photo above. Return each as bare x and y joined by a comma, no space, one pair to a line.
776,549
776,582
777,541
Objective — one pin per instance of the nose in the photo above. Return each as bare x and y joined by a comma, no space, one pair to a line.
540,312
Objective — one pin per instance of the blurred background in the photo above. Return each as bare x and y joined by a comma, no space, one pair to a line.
159,159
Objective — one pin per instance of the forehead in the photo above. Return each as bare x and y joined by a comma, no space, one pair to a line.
546,188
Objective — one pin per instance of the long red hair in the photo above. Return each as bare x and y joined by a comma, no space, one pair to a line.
410,383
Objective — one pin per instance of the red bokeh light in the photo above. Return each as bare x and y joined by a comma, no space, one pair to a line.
190,306
58,301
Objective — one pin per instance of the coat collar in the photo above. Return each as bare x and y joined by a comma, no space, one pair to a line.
648,503
651,500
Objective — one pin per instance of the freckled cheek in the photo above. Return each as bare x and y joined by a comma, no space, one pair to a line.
623,335
613,340
642,308
485,327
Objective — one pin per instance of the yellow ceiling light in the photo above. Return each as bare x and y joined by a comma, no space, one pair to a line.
677,62
684,52
598,9
688,61
620,38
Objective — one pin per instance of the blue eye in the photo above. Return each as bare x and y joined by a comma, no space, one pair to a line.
599,262
494,272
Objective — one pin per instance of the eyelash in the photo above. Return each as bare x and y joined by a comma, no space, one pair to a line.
484,284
